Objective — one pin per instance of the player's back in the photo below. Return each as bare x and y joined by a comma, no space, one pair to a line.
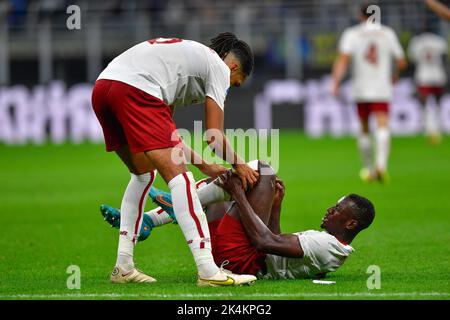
372,49
174,70
427,50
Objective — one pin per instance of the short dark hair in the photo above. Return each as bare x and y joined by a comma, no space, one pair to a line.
227,42
363,209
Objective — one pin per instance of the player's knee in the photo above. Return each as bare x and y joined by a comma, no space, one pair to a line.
138,171
139,168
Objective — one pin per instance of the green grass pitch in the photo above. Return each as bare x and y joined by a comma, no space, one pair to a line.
49,199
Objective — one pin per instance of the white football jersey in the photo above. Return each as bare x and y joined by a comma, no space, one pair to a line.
177,71
323,253
427,51
372,49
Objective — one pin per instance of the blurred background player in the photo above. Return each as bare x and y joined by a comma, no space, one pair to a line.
134,100
428,51
246,233
370,46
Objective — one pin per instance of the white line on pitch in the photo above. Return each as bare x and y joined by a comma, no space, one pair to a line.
222,295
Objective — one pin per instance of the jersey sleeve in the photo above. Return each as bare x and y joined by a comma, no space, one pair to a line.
322,250
346,43
217,84
396,47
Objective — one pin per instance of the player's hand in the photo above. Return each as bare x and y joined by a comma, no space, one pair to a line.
279,191
248,176
213,170
230,182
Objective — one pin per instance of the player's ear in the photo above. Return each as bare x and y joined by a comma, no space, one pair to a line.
351,224
234,66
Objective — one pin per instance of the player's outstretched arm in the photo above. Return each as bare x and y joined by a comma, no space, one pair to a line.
221,147
340,67
209,169
440,9
286,245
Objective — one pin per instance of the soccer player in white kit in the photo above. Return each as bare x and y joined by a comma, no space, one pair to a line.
134,100
370,47
428,51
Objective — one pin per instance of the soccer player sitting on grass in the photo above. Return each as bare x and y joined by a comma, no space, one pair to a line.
246,235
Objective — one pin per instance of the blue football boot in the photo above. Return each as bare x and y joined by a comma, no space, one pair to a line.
112,216
164,200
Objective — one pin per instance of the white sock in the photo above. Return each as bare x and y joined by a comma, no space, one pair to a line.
201,183
193,223
159,217
365,148
212,193
382,137
207,196
132,208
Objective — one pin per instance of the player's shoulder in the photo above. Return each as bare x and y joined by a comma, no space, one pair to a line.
316,235
436,38
323,238
429,39
389,31
211,57
352,30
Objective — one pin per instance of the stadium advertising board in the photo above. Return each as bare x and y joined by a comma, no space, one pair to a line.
58,113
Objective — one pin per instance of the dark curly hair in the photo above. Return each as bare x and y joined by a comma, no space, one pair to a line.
227,42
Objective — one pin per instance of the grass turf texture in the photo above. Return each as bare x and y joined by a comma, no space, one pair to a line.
49,199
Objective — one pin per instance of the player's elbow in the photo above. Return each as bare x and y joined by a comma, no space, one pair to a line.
264,243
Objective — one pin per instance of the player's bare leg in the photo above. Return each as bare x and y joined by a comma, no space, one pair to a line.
260,197
383,142
365,148
431,119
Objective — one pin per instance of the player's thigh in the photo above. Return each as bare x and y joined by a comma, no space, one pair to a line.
137,163
112,130
364,123
261,195
169,162
363,115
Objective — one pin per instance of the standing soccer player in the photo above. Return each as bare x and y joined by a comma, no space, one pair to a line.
134,100
428,51
371,47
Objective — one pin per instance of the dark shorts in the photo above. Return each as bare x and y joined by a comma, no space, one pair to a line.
130,116
425,91
366,108
229,242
